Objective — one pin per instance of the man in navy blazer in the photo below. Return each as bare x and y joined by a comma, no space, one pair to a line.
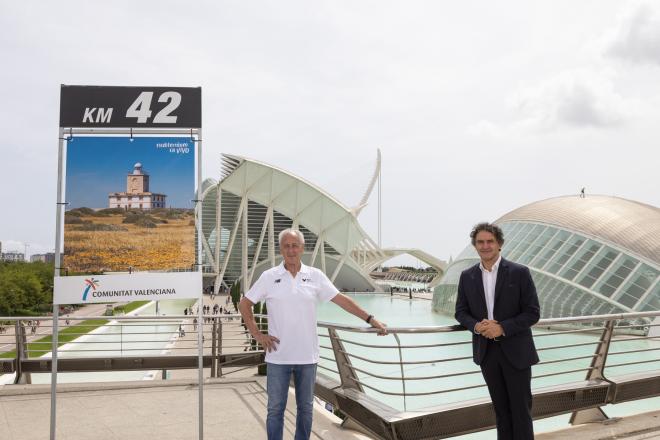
497,301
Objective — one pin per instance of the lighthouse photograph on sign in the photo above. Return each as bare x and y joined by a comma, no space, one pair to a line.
129,204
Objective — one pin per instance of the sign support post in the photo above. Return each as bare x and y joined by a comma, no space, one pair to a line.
58,263
200,334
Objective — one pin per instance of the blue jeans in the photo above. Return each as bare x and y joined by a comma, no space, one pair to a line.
278,379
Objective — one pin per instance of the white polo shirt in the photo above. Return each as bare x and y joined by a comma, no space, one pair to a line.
291,304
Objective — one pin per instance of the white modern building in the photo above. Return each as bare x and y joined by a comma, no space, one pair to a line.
137,194
48,257
244,212
13,256
588,256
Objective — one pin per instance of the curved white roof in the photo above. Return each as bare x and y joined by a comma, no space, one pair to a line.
294,197
631,225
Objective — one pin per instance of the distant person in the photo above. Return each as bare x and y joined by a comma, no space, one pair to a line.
582,195
497,302
291,292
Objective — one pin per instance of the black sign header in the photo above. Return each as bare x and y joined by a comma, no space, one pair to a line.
131,107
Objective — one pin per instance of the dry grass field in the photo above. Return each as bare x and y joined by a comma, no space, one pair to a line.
113,240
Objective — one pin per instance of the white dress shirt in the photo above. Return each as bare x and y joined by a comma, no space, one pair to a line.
489,279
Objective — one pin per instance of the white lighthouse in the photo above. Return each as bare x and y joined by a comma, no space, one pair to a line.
137,194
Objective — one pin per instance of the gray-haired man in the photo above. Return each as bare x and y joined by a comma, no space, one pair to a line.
291,292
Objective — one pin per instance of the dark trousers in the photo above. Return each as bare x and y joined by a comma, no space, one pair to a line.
510,391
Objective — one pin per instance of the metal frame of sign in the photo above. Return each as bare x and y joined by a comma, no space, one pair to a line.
90,110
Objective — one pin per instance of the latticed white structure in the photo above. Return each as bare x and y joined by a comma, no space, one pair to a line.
244,213
592,255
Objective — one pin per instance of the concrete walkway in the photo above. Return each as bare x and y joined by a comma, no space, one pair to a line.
163,410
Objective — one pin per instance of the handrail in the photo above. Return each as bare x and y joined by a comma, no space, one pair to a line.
451,328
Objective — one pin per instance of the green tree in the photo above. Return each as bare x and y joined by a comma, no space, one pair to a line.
25,288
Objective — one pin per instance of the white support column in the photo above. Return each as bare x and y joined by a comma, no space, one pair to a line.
232,237
218,238
257,251
209,255
338,268
319,242
323,257
271,237
346,253
244,248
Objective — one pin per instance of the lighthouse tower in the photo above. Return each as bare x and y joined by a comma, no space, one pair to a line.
137,194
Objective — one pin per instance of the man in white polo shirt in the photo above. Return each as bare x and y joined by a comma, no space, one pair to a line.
292,291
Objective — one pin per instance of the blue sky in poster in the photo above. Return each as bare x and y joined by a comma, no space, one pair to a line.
96,166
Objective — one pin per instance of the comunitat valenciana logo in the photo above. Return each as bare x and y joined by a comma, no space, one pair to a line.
90,283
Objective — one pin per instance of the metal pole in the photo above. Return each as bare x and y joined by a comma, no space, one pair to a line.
219,370
200,343
58,264
19,352
403,373
214,345
380,241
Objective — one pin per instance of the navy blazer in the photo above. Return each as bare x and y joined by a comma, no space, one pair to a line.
516,308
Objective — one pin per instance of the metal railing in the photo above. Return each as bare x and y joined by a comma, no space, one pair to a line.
417,382
422,383
126,343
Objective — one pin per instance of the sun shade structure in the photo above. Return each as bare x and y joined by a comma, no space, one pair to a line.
588,256
244,213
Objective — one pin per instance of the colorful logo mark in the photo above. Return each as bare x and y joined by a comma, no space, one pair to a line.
90,283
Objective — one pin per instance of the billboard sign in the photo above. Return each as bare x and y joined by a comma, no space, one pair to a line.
130,107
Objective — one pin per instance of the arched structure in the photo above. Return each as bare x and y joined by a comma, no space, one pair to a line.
588,256
244,213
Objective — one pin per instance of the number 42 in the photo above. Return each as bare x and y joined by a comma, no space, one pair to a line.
141,108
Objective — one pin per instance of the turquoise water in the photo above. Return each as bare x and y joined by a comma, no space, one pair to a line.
402,312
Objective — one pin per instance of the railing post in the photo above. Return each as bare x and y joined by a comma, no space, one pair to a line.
214,340
21,353
344,366
596,372
219,370
403,374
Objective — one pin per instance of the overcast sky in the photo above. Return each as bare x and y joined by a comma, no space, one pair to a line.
479,107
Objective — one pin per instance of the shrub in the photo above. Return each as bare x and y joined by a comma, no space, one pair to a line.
83,211
73,220
111,211
145,223
99,227
132,217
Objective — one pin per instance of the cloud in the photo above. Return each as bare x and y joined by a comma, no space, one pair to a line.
575,99
636,38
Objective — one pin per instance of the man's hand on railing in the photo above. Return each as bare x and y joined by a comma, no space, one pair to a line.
268,342
382,327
